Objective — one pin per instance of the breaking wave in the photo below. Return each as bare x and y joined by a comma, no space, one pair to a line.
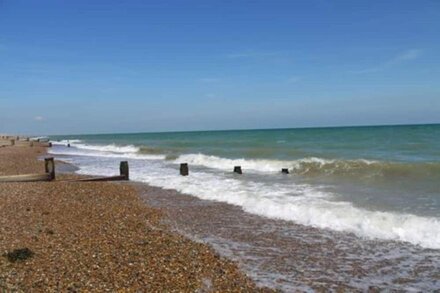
317,166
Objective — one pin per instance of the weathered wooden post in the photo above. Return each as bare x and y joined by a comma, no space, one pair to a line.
31,143
50,144
285,171
123,170
68,145
237,169
184,170
12,141
49,166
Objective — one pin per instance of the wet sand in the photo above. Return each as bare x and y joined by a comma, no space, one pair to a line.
292,257
84,236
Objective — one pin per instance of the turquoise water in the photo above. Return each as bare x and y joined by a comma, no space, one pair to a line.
418,143
377,182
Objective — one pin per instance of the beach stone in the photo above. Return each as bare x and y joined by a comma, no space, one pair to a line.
19,254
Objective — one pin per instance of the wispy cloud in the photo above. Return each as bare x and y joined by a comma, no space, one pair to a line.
210,95
294,79
39,118
253,54
408,55
400,58
209,79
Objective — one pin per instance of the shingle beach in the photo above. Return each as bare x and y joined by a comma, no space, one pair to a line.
89,236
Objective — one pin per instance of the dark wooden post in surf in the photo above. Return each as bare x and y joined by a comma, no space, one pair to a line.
237,170
285,171
184,170
123,170
68,145
49,166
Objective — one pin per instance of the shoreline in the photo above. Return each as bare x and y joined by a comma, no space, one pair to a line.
98,236
276,253
287,256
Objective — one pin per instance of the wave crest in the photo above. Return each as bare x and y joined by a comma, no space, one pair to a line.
316,166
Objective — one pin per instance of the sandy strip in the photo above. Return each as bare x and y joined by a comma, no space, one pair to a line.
97,237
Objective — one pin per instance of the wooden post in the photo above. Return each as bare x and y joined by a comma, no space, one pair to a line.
12,141
285,171
49,166
237,169
184,171
68,145
123,170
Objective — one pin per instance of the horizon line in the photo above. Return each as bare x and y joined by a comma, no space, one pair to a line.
250,129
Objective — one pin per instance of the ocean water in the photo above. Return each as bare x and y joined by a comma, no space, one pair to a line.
377,183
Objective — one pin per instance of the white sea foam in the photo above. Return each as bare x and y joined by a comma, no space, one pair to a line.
65,142
260,165
304,204
39,137
110,151
101,148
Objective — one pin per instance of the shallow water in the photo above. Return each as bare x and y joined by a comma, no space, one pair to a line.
359,209
292,257
374,182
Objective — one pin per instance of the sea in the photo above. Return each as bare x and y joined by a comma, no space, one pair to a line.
377,187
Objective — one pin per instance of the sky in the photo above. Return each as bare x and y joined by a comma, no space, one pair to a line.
73,67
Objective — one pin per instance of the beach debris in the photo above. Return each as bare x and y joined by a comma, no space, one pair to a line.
285,171
19,254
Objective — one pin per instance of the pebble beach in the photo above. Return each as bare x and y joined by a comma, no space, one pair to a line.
97,236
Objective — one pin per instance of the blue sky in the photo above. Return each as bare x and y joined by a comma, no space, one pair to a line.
131,66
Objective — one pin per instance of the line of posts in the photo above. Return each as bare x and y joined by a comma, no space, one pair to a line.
184,170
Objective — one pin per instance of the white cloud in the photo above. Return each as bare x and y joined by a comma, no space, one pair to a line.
209,79
39,118
210,96
409,55
252,54
402,57
293,79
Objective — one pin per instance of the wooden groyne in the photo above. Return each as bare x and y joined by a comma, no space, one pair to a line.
123,175
184,170
18,141
49,174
